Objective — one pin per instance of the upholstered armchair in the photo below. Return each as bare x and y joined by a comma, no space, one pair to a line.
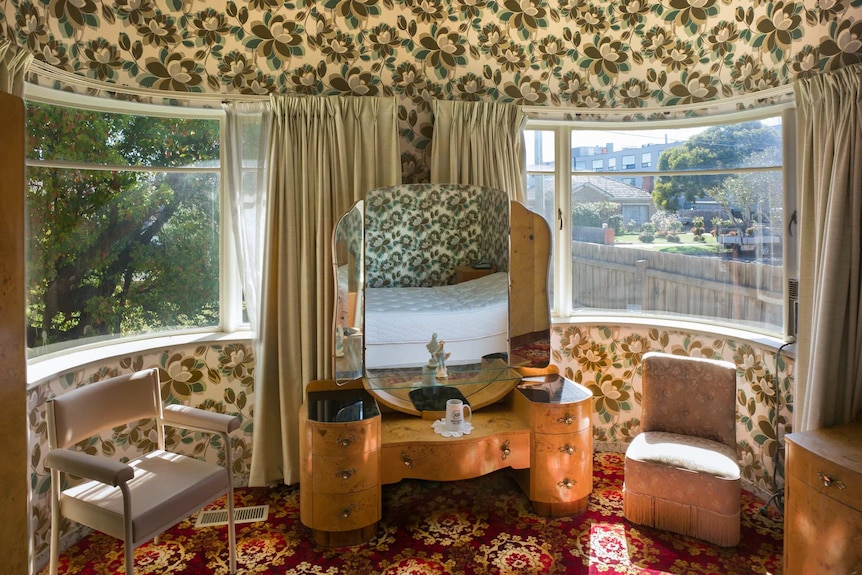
682,471
137,500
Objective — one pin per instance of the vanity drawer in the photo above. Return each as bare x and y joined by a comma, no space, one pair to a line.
562,451
344,512
561,417
348,474
456,458
561,468
344,439
826,476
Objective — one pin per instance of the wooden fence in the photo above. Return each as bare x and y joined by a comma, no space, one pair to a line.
628,278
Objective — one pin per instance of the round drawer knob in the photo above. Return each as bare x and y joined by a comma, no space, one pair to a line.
344,441
405,459
568,420
568,449
345,513
347,473
567,483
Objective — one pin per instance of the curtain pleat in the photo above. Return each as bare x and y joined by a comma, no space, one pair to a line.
479,143
829,174
325,154
13,67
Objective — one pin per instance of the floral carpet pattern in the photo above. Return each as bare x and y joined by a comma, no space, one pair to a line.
479,526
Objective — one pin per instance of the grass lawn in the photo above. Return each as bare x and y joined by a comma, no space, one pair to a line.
686,245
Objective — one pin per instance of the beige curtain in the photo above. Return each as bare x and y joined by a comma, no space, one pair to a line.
326,153
479,143
829,168
13,67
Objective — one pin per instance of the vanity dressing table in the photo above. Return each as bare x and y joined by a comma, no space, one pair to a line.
372,424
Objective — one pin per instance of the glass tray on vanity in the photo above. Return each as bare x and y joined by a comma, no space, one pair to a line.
412,391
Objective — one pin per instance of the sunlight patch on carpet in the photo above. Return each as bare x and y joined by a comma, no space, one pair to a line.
213,517
608,547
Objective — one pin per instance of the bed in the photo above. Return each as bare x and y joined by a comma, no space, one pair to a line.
471,317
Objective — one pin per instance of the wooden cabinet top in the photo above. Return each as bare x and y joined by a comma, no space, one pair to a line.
841,444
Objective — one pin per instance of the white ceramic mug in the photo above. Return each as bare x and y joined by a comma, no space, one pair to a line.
455,410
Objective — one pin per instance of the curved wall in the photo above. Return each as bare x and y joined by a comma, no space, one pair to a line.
604,357
594,54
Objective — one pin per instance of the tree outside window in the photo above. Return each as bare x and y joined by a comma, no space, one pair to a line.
122,224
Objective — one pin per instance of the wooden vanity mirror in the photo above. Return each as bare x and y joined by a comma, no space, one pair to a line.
458,261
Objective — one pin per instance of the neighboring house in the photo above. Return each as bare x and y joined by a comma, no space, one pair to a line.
635,203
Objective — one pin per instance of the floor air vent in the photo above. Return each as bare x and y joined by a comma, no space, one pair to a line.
211,517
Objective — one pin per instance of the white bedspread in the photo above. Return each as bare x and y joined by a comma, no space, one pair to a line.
471,317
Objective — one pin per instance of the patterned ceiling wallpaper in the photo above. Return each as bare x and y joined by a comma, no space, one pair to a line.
572,53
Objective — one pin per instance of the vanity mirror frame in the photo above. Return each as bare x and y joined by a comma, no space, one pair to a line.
525,256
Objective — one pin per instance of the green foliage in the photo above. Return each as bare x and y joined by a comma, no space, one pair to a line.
719,147
594,214
115,252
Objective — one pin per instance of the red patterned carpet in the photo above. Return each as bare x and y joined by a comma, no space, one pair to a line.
478,526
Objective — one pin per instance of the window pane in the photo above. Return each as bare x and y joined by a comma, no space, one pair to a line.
539,147
99,138
706,246
114,253
541,183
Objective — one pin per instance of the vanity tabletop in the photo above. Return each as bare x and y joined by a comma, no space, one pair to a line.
399,428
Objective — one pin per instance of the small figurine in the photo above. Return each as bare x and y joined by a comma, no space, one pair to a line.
432,348
441,357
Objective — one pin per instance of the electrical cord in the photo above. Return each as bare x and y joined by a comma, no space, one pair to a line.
777,494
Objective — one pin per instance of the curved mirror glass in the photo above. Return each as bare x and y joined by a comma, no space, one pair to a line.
442,301
348,248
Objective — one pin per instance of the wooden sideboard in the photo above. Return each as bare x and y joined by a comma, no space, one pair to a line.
823,502
547,444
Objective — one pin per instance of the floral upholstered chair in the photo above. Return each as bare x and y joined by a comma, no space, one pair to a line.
682,471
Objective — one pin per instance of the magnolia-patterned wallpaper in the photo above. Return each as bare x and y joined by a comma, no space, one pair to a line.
577,53
605,358
581,54
416,234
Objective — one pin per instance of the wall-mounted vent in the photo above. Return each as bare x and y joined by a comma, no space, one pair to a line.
793,304
212,517
793,289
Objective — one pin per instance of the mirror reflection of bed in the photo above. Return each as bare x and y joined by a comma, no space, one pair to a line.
436,259
471,318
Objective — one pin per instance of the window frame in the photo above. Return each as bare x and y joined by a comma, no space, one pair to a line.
562,254
229,283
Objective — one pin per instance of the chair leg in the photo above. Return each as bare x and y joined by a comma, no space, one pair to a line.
55,543
231,531
55,523
130,557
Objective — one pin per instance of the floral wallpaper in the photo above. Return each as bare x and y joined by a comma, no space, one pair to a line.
215,376
607,360
579,54
585,54
416,234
